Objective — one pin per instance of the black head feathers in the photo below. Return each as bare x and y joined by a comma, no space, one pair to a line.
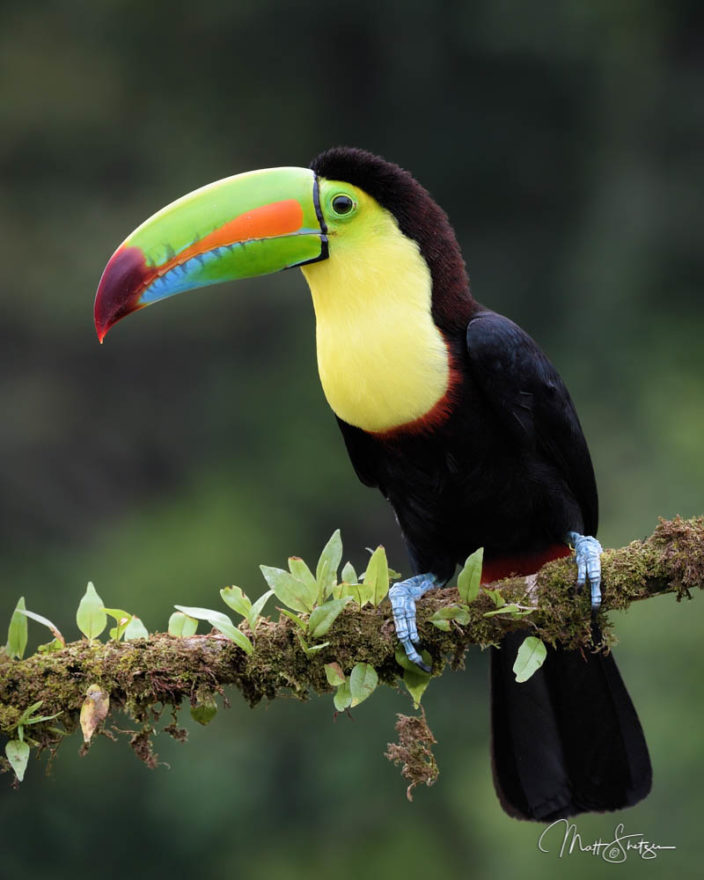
418,215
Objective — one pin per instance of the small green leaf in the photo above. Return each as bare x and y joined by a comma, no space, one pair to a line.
511,609
39,719
294,617
334,674
136,629
91,617
299,569
235,635
323,617
343,697
118,614
309,650
377,575
289,589
415,679
328,563
46,622
204,710
359,593
363,682
442,617
28,712
496,597
313,649
504,609
257,608
531,656
348,573
236,599
182,625
50,647
366,594
122,619
327,584
28,716
17,632
17,753
221,622
239,601
393,575
470,577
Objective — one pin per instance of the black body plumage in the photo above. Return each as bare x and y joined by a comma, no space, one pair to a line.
504,466
507,469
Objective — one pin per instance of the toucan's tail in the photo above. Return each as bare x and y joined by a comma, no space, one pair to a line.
566,741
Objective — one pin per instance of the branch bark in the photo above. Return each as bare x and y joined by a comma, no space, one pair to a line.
145,676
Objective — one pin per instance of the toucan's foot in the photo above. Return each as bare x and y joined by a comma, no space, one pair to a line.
403,598
588,556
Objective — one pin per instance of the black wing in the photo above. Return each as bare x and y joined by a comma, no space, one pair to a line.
363,453
532,403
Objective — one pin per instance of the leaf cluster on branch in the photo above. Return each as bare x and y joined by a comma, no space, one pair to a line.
334,636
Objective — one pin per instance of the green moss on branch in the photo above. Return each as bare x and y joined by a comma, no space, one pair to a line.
145,676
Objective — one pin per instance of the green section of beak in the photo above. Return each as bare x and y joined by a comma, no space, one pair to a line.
247,225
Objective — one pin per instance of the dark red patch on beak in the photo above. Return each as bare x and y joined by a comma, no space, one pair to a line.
125,278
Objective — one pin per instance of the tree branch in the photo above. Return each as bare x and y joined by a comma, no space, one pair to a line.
145,676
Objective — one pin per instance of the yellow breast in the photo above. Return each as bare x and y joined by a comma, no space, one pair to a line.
382,361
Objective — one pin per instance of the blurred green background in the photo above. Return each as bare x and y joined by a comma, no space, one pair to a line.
562,139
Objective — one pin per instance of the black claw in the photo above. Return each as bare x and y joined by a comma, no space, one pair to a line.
423,666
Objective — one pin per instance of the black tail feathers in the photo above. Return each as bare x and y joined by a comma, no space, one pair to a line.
566,741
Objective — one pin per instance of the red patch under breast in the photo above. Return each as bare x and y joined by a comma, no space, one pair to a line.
521,564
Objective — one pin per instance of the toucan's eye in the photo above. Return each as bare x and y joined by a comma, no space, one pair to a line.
342,204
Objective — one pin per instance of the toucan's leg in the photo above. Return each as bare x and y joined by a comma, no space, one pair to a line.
403,604
588,556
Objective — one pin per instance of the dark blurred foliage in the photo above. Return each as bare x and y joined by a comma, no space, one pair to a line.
564,140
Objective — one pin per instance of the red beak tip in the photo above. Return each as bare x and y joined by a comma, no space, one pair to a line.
123,280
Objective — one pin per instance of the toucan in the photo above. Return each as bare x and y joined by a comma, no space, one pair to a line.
451,410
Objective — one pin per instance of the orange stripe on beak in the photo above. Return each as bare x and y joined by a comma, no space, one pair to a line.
278,218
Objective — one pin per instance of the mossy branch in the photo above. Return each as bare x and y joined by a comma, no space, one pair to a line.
145,676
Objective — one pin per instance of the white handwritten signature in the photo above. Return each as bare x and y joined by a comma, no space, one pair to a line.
616,850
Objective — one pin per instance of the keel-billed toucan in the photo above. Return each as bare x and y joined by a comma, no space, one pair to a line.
450,409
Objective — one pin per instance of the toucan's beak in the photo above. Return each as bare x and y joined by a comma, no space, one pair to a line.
239,227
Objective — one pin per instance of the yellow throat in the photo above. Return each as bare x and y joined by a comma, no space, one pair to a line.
382,361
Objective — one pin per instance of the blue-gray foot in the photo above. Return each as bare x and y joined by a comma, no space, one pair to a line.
403,598
588,556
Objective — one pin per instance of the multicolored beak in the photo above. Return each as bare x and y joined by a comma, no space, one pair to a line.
247,225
